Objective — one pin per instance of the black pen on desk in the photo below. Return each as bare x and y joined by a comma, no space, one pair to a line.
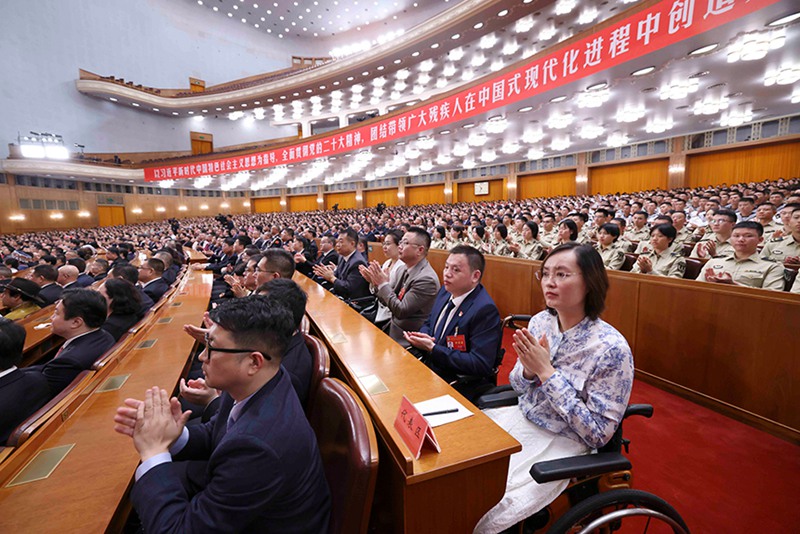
440,412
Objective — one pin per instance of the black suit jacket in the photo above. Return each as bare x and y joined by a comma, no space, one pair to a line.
349,283
50,293
298,363
79,355
171,274
117,324
21,394
264,474
147,302
85,280
155,289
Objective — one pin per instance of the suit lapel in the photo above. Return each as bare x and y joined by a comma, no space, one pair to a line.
461,312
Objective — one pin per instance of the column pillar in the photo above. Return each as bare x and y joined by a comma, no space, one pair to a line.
582,175
677,164
511,183
360,201
448,187
321,197
284,200
401,192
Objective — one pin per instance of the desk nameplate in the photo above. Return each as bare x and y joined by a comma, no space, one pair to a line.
146,344
41,466
373,384
164,320
112,383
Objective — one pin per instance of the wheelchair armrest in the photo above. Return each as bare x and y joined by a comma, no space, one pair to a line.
579,466
645,410
498,397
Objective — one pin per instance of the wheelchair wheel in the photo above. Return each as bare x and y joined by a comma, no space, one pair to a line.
623,510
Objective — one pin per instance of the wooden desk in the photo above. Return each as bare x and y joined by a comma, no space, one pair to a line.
87,491
446,492
732,349
194,256
38,341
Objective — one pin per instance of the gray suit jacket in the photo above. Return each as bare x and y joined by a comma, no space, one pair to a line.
421,285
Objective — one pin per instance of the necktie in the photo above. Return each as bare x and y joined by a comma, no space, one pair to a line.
400,287
443,320
233,416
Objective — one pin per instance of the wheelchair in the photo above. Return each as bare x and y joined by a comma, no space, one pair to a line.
599,497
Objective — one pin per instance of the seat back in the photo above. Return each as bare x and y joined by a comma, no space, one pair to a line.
630,260
305,324
349,451
693,268
687,249
59,403
320,366
789,276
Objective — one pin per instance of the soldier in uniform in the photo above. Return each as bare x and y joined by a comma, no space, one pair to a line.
500,246
530,248
662,260
438,239
744,267
515,233
622,240
716,243
580,220
679,222
786,249
639,231
601,217
613,256
548,233
765,215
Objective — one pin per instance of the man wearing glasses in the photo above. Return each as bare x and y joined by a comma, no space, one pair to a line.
261,469
717,242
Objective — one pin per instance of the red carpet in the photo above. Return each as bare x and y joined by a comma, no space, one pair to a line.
721,475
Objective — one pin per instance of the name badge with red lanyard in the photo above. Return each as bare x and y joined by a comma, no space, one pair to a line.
456,342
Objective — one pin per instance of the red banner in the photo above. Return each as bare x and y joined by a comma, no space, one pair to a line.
644,32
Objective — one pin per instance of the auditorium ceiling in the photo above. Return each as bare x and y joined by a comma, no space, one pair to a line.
741,72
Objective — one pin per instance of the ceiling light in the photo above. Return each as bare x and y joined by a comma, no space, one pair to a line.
704,49
710,104
503,13
593,98
591,131
784,75
426,66
642,72
497,64
755,45
560,120
617,139
468,125
510,147
477,139
449,69
785,20
456,54
467,75
488,155
511,47
557,99
547,33
477,60
524,24
426,165
657,126
679,89
534,154
455,36
737,116
533,135
560,143
468,163
796,96
565,6
630,113
478,25
588,15
488,41
443,159
525,109
460,150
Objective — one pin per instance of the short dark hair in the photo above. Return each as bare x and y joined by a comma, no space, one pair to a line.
305,242
611,229
102,263
573,228
244,240
126,271
395,234
594,276
49,259
502,229
604,211
752,225
440,230
12,343
258,322
422,235
46,271
155,264
667,230
77,262
87,304
726,213
289,293
125,298
11,262
474,256
350,234
534,228
280,261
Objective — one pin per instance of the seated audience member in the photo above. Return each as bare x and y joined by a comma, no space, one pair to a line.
325,256
463,332
438,240
301,250
244,285
115,256
661,260
150,277
613,255
171,269
411,297
346,280
131,274
21,298
645,246
683,236
261,469
21,394
548,234
68,277
84,279
574,377
124,306
11,263
765,214
500,246
221,261
528,247
45,276
78,318
5,275
393,267
567,232
717,242
744,267
638,231
98,269
274,263
786,249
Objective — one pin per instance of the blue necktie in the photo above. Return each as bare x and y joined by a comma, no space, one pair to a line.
443,320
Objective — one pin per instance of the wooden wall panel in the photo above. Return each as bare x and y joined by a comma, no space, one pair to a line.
545,185
466,192
629,177
425,194
387,196
345,199
267,205
755,164
111,215
195,207
303,203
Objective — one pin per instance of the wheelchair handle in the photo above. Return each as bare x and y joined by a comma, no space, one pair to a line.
645,410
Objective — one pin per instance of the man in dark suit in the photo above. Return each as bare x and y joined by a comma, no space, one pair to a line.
261,470
98,269
21,394
325,256
150,277
171,269
84,279
46,275
345,279
461,338
131,274
219,262
303,257
411,300
77,318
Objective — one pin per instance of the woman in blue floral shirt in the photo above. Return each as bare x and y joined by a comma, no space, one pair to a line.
574,377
